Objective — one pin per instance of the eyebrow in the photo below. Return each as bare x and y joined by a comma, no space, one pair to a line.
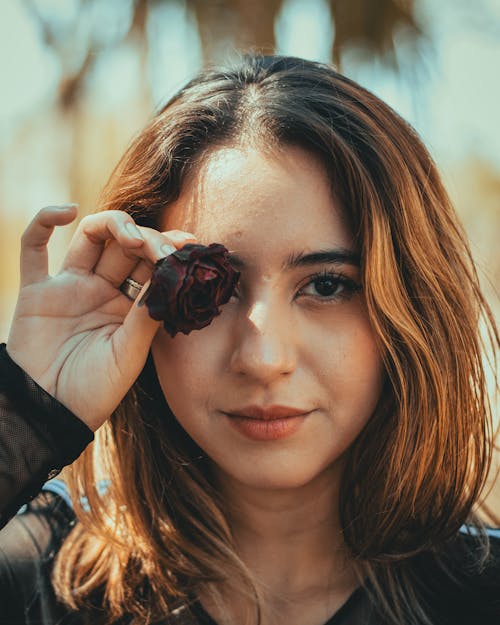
338,256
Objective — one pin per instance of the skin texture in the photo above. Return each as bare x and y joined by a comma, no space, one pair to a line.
278,341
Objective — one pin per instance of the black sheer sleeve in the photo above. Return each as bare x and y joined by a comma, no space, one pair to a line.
28,546
38,437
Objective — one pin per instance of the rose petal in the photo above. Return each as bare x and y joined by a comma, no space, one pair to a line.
188,287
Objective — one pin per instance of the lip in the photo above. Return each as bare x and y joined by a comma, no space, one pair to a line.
266,429
267,413
265,423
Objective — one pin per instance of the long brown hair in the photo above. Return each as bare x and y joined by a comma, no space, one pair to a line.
159,535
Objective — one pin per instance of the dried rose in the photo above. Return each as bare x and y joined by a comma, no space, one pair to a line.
188,286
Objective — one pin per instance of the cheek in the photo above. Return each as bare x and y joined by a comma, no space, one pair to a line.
351,370
185,369
362,380
360,360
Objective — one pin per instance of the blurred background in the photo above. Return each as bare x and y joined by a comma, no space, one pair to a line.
79,78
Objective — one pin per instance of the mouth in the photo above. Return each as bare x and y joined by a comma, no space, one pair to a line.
270,425
268,413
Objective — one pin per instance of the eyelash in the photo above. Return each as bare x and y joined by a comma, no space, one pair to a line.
349,286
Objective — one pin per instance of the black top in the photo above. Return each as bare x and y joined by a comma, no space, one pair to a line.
38,436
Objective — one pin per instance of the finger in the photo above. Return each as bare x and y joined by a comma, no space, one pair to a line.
161,249
117,263
34,256
134,336
91,235
141,273
160,244
138,329
133,285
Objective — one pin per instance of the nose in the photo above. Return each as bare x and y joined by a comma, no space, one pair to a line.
264,348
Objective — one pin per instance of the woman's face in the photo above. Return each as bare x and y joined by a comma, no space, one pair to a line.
295,334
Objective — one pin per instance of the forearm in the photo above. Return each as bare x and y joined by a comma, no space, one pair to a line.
38,437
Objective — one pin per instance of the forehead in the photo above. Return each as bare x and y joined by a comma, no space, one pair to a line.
240,195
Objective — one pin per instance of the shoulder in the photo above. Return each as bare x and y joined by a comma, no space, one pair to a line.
477,552
38,528
461,582
28,546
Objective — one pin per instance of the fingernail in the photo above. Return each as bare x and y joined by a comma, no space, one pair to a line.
133,231
185,235
62,207
167,249
144,296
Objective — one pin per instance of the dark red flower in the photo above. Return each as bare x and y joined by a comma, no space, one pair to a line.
188,287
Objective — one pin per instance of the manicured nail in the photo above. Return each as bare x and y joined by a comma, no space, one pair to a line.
167,249
133,231
62,207
179,235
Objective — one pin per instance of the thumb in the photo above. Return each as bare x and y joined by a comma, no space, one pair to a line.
133,339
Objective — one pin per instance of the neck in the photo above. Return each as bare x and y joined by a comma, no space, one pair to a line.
290,539
291,542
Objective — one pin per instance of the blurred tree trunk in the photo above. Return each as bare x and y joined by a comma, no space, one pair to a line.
72,111
228,25
371,25
250,25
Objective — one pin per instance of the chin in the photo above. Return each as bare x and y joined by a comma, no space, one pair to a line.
279,477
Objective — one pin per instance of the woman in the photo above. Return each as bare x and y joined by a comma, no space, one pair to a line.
311,456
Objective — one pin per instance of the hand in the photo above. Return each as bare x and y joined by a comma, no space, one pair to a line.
75,333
